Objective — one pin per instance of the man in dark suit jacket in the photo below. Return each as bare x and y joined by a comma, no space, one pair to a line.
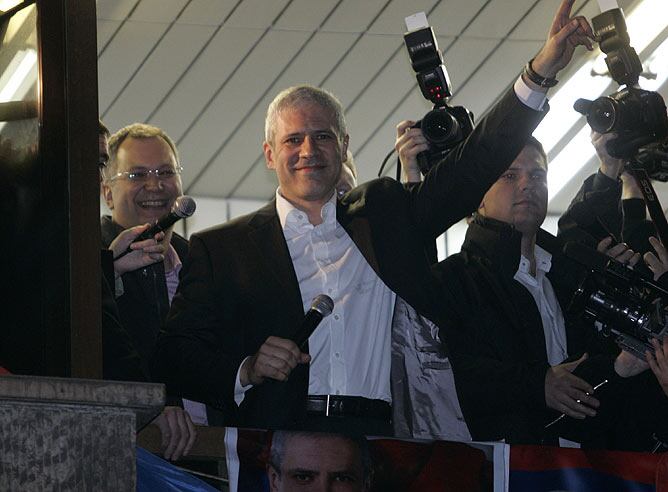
140,184
247,283
520,359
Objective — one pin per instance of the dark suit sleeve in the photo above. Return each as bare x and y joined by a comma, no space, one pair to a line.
594,213
454,188
636,229
120,360
189,357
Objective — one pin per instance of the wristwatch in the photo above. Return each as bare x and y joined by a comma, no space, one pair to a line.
538,79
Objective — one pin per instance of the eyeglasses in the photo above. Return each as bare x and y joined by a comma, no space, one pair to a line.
143,175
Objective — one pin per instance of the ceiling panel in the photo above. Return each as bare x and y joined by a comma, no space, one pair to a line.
207,12
123,55
257,13
105,29
115,9
463,58
364,13
145,91
305,15
241,94
364,61
158,10
259,183
208,73
391,20
450,17
499,18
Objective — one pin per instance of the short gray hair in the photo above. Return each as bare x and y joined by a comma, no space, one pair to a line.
135,130
297,96
280,438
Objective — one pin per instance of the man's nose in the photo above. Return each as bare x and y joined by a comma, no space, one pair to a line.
153,182
308,147
525,183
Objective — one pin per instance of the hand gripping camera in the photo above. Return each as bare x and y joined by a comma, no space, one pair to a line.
444,126
624,304
636,115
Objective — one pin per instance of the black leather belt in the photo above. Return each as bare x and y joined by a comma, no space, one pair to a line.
350,406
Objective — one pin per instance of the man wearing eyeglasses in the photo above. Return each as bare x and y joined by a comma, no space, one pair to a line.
141,182
128,161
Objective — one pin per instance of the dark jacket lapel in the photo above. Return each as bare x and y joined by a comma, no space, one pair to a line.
267,236
359,231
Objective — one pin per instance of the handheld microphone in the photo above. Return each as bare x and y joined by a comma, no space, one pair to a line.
183,207
321,307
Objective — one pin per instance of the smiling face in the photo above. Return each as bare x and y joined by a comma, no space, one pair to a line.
319,463
519,196
133,203
306,154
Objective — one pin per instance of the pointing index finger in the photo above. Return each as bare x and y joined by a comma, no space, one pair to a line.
562,17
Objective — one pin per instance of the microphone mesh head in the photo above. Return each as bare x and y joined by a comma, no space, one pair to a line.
323,304
184,206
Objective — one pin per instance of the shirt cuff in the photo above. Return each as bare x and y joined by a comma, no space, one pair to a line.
530,97
239,390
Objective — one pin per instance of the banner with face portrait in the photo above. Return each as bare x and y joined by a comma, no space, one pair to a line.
285,460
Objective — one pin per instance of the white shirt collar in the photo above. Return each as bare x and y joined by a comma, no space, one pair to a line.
543,262
295,222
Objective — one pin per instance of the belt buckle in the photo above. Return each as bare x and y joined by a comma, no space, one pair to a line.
327,406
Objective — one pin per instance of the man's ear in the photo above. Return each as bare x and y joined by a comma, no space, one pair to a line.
344,148
108,196
268,155
274,478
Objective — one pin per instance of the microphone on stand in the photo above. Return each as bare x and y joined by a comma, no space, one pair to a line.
183,207
321,307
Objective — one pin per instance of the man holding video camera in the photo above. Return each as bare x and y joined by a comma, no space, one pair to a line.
528,370
246,284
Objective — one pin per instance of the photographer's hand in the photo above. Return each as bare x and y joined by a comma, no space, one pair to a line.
408,144
657,263
568,393
565,35
610,166
619,252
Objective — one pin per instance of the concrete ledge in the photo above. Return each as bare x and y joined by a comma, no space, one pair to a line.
72,434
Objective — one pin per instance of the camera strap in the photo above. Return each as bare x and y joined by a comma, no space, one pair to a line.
651,200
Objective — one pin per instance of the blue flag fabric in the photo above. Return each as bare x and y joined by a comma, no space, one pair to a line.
157,475
537,469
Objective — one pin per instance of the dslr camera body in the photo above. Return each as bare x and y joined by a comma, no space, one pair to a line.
444,126
637,116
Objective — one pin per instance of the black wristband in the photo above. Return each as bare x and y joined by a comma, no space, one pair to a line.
538,79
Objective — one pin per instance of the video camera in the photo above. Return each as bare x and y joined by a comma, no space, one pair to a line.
636,115
444,126
624,303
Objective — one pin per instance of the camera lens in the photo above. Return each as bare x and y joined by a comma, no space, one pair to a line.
439,126
603,114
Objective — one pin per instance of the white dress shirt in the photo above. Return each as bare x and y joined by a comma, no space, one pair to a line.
541,289
350,349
